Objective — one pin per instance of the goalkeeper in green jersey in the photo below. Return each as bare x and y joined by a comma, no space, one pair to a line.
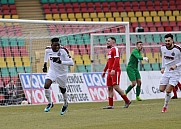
132,70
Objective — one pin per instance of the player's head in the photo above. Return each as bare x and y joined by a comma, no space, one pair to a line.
55,44
139,45
110,42
169,40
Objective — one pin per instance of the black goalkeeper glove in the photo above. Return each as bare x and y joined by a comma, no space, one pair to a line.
56,60
44,68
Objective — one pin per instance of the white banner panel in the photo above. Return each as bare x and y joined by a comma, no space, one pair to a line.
89,87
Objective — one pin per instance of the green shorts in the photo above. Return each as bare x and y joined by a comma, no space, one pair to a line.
133,74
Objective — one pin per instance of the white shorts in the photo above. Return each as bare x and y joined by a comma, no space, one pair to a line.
170,78
58,78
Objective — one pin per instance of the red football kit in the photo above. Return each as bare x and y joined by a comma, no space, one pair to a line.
113,64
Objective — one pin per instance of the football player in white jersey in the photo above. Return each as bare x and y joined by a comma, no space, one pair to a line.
171,67
59,61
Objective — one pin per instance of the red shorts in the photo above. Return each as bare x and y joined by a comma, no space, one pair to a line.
113,80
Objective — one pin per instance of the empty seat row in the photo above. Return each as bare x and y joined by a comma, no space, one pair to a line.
7,2
14,62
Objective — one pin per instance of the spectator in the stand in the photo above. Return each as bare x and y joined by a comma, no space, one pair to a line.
11,90
2,94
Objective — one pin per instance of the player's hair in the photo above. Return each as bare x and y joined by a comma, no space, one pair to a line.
54,40
113,39
138,42
168,35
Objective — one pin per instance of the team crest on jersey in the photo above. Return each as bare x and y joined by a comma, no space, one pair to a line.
173,54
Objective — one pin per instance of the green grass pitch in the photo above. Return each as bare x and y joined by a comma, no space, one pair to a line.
140,115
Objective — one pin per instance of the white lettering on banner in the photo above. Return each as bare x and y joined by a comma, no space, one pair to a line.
98,94
94,79
37,80
37,96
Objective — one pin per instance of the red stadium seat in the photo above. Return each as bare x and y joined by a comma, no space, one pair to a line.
128,9
127,4
165,3
150,24
62,10
120,4
53,6
105,4
160,29
142,4
143,8
6,12
149,3
68,5
135,8
164,24
84,10
168,28
157,24
12,7
47,11
176,28
7,51
55,11
165,8
46,6
90,4
112,4
153,29
135,24
143,24
13,12
157,3
120,9
69,10
179,23
60,6
113,9
98,9
105,9
5,7
97,4
77,10
146,29
150,8
82,5
171,2
172,23
173,7
15,51
90,10
157,8
75,5
135,4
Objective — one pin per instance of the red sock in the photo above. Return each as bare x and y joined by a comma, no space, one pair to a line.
110,101
174,92
125,98
179,85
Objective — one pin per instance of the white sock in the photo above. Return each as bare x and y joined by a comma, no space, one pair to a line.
167,99
65,98
48,95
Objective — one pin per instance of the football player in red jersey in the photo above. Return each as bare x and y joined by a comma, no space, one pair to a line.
114,72
175,90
